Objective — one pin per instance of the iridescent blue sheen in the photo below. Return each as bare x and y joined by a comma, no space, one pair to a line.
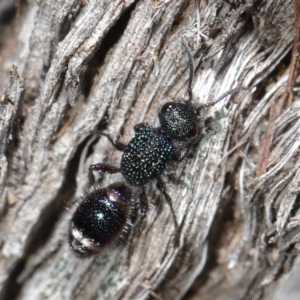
146,156
100,218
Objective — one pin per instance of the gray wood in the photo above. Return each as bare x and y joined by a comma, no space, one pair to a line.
9,108
110,65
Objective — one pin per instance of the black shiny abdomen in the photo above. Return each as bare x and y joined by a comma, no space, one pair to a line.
146,156
102,214
100,219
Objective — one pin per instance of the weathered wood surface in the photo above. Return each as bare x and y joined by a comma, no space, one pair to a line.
109,65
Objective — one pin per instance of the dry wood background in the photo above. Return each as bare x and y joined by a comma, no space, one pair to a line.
86,65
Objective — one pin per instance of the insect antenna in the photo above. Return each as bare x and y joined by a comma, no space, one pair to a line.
192,68
221,98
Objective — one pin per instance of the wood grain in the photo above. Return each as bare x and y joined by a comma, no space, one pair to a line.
108,65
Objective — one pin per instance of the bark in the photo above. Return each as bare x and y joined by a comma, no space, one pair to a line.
109,65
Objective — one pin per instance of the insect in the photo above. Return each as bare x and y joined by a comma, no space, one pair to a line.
102,215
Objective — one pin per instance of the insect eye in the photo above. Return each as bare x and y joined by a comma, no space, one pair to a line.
167,107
